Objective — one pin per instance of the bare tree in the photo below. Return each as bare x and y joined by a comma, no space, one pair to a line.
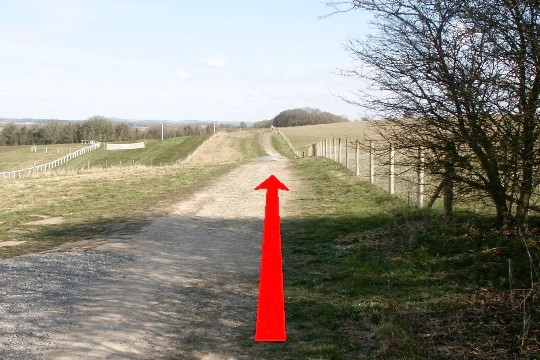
467,75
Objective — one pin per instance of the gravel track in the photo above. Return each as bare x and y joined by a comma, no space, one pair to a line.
185,284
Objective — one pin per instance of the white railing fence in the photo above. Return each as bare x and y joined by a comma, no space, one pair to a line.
139,145
17,174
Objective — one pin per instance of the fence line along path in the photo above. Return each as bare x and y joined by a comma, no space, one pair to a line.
17,174
380,166
376,161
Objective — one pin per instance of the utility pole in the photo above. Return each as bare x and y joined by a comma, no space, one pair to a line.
214,127
161,131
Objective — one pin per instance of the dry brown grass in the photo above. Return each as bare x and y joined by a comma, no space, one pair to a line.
303,136
405,174
226,147
90,196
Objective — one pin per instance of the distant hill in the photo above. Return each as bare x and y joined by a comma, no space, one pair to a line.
299,117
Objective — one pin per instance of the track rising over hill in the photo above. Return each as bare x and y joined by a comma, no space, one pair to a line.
185,285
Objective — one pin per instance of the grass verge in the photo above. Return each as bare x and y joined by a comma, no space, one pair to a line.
281,146
368,277
249,146
92,204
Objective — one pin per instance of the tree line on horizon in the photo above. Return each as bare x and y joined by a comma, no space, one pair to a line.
299,117
96,128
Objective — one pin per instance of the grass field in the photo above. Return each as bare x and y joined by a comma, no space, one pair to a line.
156,153
97,202
20,157
367,276
301,137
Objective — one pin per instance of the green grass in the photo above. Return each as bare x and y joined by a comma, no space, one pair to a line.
281,146
92,203
368,277
20,157
249,147
101,201
156,153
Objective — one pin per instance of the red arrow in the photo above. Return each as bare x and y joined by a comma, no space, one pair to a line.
270,325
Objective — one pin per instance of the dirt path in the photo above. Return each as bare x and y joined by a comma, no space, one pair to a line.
219,148
185,285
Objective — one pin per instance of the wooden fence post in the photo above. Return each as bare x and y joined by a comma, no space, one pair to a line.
357,158
346,153
371,162
420,198
391,187
339,150
329,148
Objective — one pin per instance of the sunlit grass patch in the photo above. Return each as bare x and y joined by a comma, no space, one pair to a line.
367,276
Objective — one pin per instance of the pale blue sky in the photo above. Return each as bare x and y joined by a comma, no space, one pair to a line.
236,60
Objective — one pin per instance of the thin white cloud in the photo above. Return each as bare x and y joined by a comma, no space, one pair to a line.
181,74
215,61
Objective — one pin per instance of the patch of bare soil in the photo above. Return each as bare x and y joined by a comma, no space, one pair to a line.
185,285
47,221
11,243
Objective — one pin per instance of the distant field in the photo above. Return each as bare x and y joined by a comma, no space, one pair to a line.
20,157
303,136
155,153
89,203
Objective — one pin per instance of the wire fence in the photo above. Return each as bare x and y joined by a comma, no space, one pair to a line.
401,172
